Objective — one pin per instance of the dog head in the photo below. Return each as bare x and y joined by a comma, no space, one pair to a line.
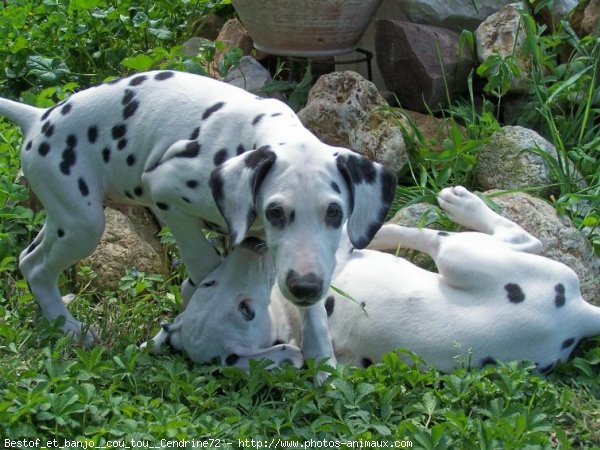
302,196
228,316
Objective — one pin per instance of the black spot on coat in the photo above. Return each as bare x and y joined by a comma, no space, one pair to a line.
257,119
213,109
366,362
92,134
195,134
220,157
162,206
66,109
69,157
559,299
118,131
122,144
83,187
71,140
129,94
131,159
130,109
329,305
192,184
44,149
106,154
48,129
514,293
567,343
47,113
136,81
60,232
138,191
161,76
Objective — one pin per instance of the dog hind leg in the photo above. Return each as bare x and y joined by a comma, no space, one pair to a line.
391,237
468,210
60,244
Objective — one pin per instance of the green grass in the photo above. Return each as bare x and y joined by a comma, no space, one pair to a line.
50,388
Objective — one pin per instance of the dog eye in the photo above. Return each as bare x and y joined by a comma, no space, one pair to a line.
334,210
246,310
275,211
275,215
334,215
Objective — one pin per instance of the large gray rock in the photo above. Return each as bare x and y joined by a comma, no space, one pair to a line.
503,34
129,241
423,65
508,162
346,110
462,14
453,14
561,240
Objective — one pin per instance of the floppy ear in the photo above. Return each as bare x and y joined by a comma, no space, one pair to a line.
372,189
234,185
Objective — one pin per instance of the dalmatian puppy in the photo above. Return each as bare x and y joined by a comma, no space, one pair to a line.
203,154
494,299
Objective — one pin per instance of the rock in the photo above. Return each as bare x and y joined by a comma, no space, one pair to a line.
346,110
586,18
561,240
250,75
232,35
409,55
208,27
507,162
453,14
503,34
129,241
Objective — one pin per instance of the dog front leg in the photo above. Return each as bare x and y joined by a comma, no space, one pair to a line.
316,340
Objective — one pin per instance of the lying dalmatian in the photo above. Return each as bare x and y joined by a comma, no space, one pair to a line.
494,299
203,154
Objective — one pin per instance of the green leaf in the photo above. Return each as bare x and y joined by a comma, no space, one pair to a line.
49,70
140,63
84,5
161,33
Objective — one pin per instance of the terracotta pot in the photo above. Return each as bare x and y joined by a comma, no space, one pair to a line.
309,28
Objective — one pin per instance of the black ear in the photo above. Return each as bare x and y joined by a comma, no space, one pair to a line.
234,185
372,188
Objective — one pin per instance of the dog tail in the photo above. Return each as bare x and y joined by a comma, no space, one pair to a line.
21,114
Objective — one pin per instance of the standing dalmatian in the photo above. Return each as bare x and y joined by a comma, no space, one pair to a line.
204,154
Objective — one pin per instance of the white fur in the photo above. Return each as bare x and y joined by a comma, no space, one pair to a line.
201,153
459,316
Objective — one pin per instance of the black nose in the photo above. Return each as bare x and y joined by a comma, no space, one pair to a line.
305,287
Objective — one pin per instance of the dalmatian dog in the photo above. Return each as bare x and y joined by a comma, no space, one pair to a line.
493,299
203,154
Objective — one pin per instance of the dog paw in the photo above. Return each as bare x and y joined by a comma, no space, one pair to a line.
464,207
81,332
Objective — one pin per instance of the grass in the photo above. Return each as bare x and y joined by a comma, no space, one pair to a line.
52,389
